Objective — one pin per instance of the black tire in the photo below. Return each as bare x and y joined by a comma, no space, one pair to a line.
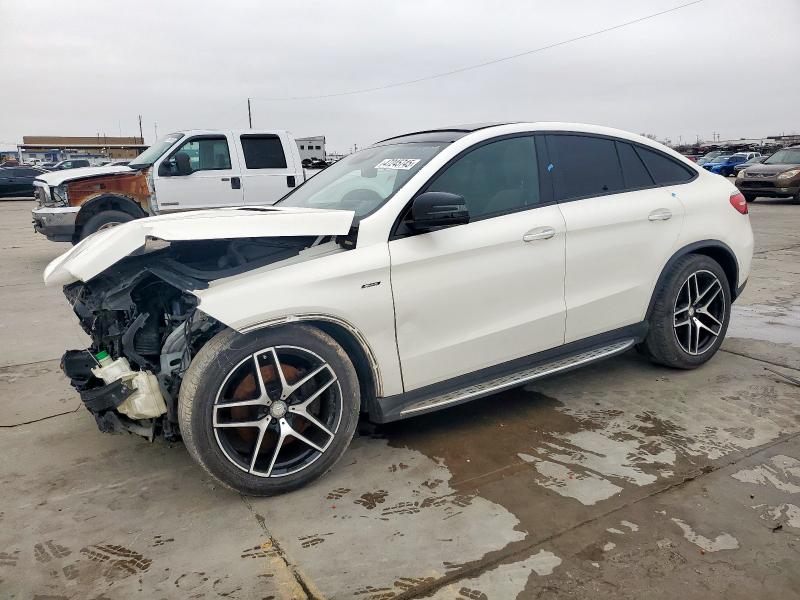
206,377
749,197
796,198
105,218
662,345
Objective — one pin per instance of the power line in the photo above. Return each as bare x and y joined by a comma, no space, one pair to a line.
484,64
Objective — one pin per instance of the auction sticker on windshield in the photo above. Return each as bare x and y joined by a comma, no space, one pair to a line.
397,163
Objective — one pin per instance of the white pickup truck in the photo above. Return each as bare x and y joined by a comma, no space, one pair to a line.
186,170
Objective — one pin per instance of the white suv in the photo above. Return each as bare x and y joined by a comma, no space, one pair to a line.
428,270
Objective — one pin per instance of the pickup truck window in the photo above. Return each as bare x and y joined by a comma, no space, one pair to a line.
207,153
263,152
363,181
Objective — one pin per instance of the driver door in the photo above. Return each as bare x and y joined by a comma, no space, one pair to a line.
213,181
477,295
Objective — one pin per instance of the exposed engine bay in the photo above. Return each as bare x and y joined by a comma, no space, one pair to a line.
145,326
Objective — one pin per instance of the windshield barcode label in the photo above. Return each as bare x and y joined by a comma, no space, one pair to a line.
397,163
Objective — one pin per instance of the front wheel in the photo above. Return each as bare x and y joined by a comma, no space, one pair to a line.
269,411
105,219
691,313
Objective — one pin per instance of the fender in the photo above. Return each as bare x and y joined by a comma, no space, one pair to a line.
715,249
115,201
354,332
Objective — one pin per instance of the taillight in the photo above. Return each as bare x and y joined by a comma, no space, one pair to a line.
739,203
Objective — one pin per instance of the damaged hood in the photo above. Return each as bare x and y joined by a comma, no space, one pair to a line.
101,250
56,178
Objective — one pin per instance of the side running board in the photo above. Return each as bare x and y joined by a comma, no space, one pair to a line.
498,384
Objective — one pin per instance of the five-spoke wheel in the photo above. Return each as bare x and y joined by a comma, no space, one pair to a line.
271,410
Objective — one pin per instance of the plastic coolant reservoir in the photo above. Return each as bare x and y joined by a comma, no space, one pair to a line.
146,401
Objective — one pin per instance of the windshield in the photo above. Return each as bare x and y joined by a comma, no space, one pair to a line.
720,159
713,154
154,152
363,181
787,156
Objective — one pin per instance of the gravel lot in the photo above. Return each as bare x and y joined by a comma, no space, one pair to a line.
621,480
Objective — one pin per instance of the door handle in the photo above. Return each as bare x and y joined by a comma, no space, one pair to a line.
539,233
660,214
225,179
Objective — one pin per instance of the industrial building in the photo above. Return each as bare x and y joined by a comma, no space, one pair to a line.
311,147
45,148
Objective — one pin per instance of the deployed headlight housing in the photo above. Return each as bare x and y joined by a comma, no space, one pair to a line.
741,172
60,195
789,174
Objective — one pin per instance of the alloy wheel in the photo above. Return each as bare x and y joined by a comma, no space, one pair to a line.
699,312
277,411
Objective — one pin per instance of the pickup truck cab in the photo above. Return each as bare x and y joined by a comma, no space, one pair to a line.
186,170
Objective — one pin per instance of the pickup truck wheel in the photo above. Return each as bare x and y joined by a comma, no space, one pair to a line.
269,411
749,197
103,220
691,314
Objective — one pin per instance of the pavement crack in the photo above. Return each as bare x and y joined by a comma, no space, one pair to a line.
307,587
763,360
61,414
519,552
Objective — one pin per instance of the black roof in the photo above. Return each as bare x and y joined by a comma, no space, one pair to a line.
443,134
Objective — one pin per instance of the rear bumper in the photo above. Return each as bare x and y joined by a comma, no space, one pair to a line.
56,223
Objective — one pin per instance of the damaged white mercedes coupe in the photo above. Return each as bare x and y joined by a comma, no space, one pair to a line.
428,270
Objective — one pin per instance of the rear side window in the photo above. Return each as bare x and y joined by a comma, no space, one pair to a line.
584,166
664,169
633,170
263,152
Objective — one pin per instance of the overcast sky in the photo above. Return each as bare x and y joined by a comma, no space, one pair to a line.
91,66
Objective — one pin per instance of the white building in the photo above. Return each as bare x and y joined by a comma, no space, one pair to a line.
311,147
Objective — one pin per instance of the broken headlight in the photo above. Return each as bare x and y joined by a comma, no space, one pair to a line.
60,195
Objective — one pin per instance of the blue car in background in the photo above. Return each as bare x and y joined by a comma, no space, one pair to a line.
724,165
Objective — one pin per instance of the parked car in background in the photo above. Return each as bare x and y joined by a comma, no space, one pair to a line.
73,163
711,156
47,166
425,271
11,162
724,165
18,181
751,161
777,177
186,170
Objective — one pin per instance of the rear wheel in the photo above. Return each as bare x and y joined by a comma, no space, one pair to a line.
690,315
749,197
269,411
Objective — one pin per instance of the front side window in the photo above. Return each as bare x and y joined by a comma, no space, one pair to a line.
205,154
584,166
496,178
363,181
263,152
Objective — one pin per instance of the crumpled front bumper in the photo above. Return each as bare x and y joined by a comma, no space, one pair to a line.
57,222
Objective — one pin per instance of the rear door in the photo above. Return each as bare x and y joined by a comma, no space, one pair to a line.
268,170
214,181
623,218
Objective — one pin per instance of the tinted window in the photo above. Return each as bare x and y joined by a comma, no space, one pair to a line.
26,172
206,154
665,170
496,178
584,166
263,152
633,171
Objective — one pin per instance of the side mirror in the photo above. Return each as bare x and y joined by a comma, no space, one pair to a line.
432,210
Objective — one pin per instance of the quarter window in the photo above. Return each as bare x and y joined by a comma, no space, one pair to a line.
663,169
633,169
263,152
499,177
207,154
584,166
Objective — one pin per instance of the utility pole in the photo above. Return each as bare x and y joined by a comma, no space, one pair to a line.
249,114
141,135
